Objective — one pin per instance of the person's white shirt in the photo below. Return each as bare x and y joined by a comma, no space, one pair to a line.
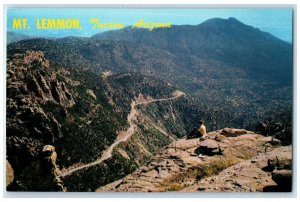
202,130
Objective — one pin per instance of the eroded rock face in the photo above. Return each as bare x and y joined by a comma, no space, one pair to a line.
49,158
29,73
31,84
40,174
241,166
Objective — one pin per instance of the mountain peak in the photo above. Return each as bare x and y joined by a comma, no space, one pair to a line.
217,19
230,22
233,19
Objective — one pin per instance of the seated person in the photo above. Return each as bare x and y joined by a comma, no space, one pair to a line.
202,128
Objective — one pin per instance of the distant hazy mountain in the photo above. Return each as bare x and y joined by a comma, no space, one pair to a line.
12,37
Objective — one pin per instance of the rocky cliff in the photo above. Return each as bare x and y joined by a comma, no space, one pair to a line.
228,160
31,129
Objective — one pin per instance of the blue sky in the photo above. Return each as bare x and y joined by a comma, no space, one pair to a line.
275,21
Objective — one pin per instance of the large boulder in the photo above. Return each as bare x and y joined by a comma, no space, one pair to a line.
91,93
280,161
208,147
49,153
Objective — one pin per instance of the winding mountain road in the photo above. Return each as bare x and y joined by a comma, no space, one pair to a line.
122,136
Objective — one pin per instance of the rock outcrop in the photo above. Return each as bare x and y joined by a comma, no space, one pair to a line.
30,73
236,163
40,174
208,147
31,83
248,176
232,132
91,94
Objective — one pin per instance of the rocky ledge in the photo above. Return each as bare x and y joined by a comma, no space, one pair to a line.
232,160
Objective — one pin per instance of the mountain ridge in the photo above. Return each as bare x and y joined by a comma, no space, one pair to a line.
196,40
245,82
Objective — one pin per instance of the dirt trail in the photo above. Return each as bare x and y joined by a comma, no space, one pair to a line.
122,137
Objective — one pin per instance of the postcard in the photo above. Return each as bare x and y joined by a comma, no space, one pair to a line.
110,99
